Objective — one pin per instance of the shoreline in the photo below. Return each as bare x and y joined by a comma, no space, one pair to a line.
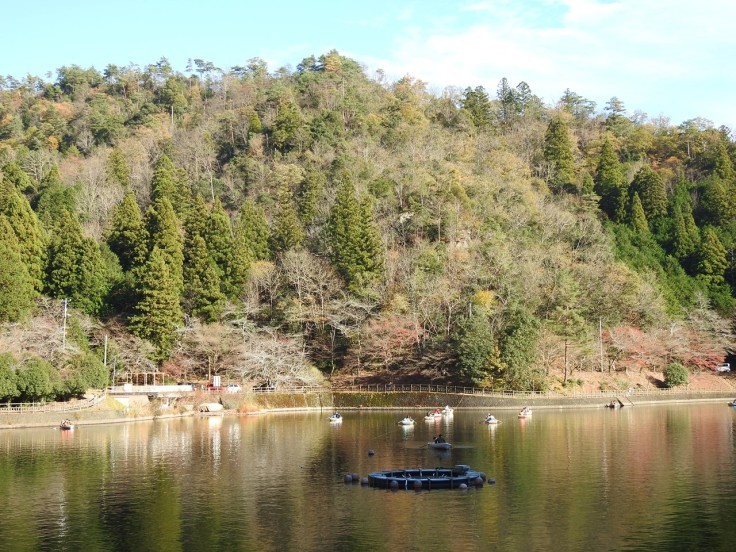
250,405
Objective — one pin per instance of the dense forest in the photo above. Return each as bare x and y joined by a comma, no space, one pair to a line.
293,226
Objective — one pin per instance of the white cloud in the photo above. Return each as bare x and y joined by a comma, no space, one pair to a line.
662,56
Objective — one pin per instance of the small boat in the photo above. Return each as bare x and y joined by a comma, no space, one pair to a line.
429,418
491,419
336,418
732,403
439,446
525,412
407,421
66,424
447,411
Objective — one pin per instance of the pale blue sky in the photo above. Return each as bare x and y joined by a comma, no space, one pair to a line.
662,57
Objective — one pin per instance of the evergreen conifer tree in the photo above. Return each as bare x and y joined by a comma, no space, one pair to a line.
158,314
218,235
22,181
252,234
476,348
196,217
28,230
637,217
711,255
652,193
558,152
723,165
682,243
202,296
610,184
117,168
716,202
310,193
164,235
75,268
127,236
170,182
478,105
16,286
353,238
286,232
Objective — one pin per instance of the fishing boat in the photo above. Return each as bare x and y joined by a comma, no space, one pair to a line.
439,446
491,419
336,418
66,425
525,412
732,403
429,418
448,411
408,421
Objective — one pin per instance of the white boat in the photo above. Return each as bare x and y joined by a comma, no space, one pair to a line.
732,403
525,412
66,424
408,421
491,419
429,418
335,418
439,446
447,411
211,407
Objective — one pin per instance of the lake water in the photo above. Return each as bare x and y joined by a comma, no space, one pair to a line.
639,478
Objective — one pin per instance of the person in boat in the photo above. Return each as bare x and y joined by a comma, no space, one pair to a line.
440,439
437,411
613,404
337,415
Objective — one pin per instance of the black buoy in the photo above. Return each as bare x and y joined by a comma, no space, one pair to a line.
478,482
356,478
364,481
348,478
491,481
483,476
370,452
462,486
417,485
394,485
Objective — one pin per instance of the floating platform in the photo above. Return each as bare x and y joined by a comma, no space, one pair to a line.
426,478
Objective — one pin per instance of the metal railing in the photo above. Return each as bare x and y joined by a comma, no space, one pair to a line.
52,407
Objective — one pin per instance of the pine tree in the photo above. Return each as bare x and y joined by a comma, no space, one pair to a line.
196,217
117,168
558,152
17,293
157,315
652,193
287,232
12,172
478,105
251,232
127,236
310,192
75,268
28,230
637,217
610,184
716,202
711,255
476,348
202,296
164,235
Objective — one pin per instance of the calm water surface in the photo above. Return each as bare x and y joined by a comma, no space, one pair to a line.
640,478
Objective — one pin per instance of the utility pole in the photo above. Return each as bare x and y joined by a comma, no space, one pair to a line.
63,337
600,339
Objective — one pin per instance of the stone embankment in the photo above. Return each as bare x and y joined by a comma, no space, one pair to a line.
143,407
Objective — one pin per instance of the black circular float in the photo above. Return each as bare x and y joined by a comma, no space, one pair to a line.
426,478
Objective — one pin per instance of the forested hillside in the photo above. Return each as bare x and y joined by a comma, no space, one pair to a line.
290,225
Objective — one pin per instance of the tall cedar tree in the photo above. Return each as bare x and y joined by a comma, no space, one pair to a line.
202,296
610,184
650,187
251,232
682,245
637,217
117,168
218,235
169,182
476,348
723,165
164,235
716,203
712,260
353,239
28,230
286,230
22,181
558,152
17,293
75,268
127,236
478,105
158,314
